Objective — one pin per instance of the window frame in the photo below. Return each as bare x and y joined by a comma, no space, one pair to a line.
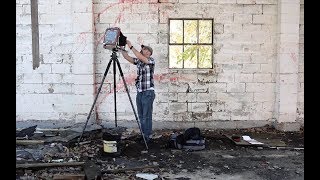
186,44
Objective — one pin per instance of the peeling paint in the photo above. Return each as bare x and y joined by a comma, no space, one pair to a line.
201,116
51,90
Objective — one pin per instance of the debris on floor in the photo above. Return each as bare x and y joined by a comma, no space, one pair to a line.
250,140
55,154
147,176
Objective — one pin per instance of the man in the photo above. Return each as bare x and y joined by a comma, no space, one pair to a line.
144,84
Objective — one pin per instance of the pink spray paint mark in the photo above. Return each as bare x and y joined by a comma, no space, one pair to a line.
81,39
130,81
140,40
118,19
293,56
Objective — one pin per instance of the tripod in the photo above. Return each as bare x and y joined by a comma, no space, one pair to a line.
115,61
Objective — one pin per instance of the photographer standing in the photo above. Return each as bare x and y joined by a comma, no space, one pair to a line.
144,84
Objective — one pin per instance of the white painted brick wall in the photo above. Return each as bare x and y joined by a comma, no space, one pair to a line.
250,68
205,97
187,97
242,85
207,1
52,83
244,77
243,18
246,1
227,1
252,9
197,107
270,9
236,87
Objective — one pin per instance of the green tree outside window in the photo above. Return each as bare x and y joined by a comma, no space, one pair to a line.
190,44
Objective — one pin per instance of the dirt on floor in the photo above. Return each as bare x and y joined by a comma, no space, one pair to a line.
280,157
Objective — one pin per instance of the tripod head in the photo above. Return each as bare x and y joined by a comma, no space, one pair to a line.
114,53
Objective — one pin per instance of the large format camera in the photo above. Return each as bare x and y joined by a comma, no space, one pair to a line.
113,38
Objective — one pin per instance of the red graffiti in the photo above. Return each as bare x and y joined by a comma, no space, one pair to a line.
130,81
130,78
293,57
119,19
140,40
173,78
82,38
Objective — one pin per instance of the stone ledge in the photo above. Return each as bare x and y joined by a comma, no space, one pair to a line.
292,126
287,126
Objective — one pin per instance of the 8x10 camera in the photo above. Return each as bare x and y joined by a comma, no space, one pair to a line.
113,38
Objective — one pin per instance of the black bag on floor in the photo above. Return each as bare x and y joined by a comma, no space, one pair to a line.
195,144
191,140
192,133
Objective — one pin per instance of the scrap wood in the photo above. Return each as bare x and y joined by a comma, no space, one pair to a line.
29,142
69,177
130,169
288,148
242,142
26,131
43,165
40,129
84,142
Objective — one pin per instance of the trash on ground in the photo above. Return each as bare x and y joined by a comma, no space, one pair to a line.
147,176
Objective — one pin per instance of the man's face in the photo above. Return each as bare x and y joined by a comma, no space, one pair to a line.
146,52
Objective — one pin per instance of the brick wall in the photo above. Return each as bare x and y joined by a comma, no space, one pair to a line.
242,87
61,88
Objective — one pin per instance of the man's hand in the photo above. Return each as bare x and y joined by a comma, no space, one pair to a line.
122,48
129,43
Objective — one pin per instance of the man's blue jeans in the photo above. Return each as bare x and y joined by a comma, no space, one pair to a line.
144,102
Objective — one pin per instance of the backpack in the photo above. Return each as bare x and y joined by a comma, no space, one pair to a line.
190,140
192,133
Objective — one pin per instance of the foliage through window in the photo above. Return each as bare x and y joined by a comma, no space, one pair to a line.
190,43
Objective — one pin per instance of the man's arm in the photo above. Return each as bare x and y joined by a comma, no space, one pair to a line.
127,57
137,53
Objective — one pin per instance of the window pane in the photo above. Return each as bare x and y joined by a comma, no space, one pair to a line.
205,57
190,31
205,31
176,31
190,56
175,57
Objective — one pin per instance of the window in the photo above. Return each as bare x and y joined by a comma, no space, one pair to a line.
190,43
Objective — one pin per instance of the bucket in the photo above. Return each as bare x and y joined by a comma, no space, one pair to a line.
111,144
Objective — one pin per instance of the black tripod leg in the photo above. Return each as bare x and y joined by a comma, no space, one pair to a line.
95,99
114,90
135,114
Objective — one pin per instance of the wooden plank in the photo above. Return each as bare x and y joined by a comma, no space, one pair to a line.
266,142
130,169
240,143
69,177
43,165
28,142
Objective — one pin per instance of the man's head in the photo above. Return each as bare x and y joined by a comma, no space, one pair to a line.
146,50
